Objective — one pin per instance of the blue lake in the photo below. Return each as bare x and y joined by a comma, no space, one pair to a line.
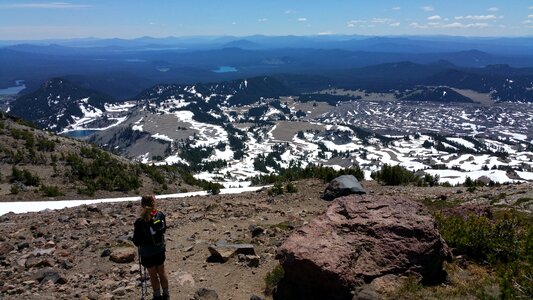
225,69
13,90
79,133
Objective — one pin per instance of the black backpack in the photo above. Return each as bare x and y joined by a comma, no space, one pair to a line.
152,232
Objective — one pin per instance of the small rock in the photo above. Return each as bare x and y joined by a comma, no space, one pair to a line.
121,291
249,260
256,230
49,275
366,293
36,262
186,279
5,248
134,269
92,295
255,297
105,253
23,245
205,294
93,208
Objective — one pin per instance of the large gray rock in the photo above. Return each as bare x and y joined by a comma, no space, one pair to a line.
343,186
358,240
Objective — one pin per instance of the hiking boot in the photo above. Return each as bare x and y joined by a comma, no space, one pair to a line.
165,297
158,298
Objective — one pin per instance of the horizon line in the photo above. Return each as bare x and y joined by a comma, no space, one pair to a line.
267,35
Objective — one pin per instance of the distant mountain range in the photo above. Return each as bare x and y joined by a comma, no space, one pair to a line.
123,68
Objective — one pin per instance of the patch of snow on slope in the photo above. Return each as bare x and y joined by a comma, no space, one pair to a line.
34,206
463,142
161,137
124,107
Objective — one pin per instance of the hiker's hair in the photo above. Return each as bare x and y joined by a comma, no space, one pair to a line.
147,205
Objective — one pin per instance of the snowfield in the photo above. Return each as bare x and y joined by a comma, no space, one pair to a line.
33,206
503,130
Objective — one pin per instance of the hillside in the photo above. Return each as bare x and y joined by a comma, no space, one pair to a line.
36,165
79,257
58,103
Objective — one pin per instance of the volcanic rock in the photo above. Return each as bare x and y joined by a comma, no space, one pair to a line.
222,251
5,248
343,186
205,294
357,240
122,255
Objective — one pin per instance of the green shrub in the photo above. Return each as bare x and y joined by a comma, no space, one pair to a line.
50,191
213,188
24,176
276,190
291,188
272,278
504,244
14,189
311,171
395,175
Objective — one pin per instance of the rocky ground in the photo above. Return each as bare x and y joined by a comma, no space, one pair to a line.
75,253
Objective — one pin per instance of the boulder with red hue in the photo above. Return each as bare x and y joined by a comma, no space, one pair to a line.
357,240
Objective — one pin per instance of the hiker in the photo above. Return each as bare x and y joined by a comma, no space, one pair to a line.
148,236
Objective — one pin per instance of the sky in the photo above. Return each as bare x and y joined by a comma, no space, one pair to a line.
34,19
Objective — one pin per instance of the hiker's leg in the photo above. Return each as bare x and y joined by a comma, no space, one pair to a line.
163,279
154,280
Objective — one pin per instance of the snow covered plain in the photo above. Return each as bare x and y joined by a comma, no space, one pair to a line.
327,139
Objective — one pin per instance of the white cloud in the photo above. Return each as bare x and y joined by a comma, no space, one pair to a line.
419,26
288,12
326,33
530,16
448,25
428,8
372,22
461,25
381,20
396,8
302,19
395,24
262,20
487,17
353,23
434,18
49,5
493,9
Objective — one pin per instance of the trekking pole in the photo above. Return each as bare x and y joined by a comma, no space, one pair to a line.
143,278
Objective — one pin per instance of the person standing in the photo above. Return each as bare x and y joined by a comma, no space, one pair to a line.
149,237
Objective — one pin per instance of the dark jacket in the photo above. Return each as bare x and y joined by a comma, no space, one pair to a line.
149,236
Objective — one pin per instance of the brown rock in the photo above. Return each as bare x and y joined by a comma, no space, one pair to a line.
122,255
5,248
37,262
479,210
357,240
